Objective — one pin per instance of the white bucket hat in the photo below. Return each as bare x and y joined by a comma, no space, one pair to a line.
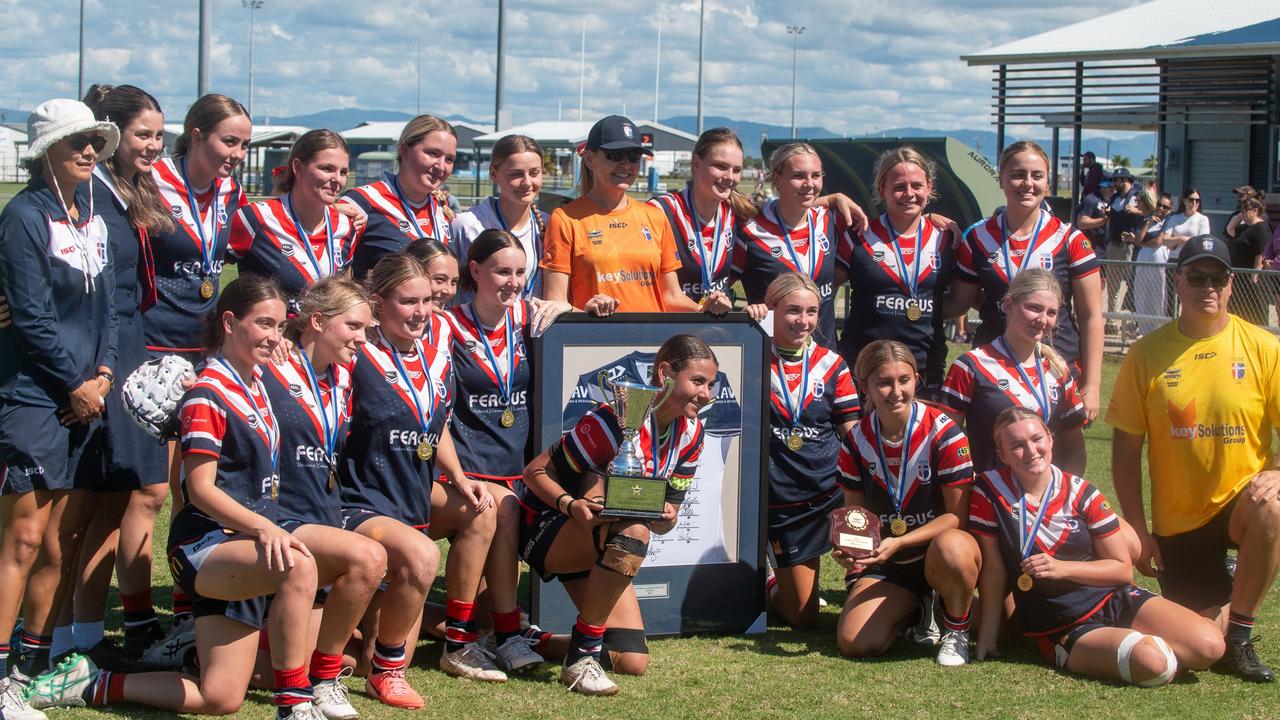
60,118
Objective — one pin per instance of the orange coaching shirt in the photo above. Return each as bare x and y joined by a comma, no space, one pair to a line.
622,254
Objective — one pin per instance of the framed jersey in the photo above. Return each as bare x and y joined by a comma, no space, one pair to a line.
706,575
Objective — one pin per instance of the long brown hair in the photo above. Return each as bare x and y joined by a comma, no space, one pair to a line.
742,206
501,152
204,115
238,298
312,143
121,104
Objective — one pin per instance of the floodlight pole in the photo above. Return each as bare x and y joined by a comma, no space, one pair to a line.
497,96
657,66
582,68
202,51
702,21
252,5
80,94
795,46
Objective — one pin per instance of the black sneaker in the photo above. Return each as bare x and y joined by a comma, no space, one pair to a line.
109,657
1242,661
140,640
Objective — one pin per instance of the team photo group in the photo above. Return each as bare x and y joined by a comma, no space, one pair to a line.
359,388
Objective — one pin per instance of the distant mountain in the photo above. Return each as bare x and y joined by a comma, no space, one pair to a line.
347,118
750,132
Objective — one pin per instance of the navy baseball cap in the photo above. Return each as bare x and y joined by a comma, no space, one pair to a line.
1203,247
1121,173
615,132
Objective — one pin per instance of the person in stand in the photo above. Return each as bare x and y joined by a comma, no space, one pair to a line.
1182,226
1019,368
1023,236
1149,280
1249,300
1202,392
563,535
1052,539
1091,175
908,463
407,205
1124,218
56,361
813,403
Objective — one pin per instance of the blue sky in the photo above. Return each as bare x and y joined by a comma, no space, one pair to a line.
863,65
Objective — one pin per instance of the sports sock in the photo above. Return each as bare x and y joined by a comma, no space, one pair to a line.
292,688
956,624
541,638
1239,628
33,654
63,642
459,627
506,625
324,667
5,648
106,689
138,611
387,657
86,635
586,639
181,606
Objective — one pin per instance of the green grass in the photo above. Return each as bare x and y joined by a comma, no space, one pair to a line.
788,673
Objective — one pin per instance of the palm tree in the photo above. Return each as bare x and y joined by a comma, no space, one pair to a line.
1150,163
1120,161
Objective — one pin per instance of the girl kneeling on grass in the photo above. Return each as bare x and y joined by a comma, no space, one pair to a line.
1051,538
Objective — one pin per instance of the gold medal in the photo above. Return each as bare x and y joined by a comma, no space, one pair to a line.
206,289
425,451
275,488
795,441
898,526
508,418
333,479
914,312
1025,582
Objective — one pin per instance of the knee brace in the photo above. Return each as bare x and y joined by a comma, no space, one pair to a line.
622,640
623,554
1125,651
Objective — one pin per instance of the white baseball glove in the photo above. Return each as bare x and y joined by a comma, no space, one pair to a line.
152,392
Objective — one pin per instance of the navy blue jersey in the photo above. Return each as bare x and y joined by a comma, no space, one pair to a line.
220,420
486,449
1077,513
881,290
486,215
762,251
939,458
984,381
307,492
394,222
705,247
56,276
594,441
825,396
265,240
188,255
379,467
983,259
124,242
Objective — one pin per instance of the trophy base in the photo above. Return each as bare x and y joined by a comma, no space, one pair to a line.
640,498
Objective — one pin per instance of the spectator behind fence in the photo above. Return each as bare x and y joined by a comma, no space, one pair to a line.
1124,219
1091,218
1185,225
1149,278
1250,298
1091,176
1236,222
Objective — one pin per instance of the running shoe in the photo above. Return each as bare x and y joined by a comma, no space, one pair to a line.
390,688
955,648
332,699
471,662
587,677
64,685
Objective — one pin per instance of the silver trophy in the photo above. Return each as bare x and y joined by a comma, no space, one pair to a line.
629,490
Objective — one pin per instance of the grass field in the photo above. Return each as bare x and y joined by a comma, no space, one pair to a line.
787,673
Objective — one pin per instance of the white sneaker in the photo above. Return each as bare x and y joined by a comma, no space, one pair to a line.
64,685
955,648
471,662
13,706
517,653
587,677
170,650
332,699
302,711
926,630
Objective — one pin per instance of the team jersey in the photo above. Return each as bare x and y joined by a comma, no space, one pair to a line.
393,222
1207,408
705,247
593,443
623,253
819,386
981,259
308,490
986,380
380,468
939,457
267,239
189,255
486,449
884,280
467,226
55,274
1076,513
762,251
129,250
230,418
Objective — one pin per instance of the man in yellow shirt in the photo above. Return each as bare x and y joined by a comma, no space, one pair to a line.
1204,392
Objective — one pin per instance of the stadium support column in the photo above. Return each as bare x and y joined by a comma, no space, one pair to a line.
1001,89
1077,138
1053,169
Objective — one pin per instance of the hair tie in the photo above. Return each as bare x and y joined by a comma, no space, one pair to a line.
277,171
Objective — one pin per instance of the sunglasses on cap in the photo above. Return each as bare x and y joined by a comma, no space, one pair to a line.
631,156
1217,281
80,140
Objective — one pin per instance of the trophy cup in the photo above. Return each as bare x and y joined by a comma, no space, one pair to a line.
855,530
629,491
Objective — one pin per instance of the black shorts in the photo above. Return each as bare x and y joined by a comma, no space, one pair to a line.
38,453
353,518
185,561
799,533
1118,611
537,531
909,576
1195,570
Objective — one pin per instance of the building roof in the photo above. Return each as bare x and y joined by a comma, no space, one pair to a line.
262,134
387,132
1157,29
570,133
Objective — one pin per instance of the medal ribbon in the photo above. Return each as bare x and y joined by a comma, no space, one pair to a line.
912,281
1039,389
330,426
305,237
534,237
1009,270
708,268
811,254
1027,535
271,431
504,381
424,418
394,182
897,486
206,247
802,392
667,468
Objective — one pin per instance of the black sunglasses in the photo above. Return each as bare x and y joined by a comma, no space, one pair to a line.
1217,281
631,156
80,140
1194,199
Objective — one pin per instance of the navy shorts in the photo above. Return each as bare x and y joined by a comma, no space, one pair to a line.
1195,569
1117,611
909,576
538,531
133,458
799,533
353,518
38,453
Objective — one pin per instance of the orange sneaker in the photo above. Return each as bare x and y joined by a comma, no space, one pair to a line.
390,688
